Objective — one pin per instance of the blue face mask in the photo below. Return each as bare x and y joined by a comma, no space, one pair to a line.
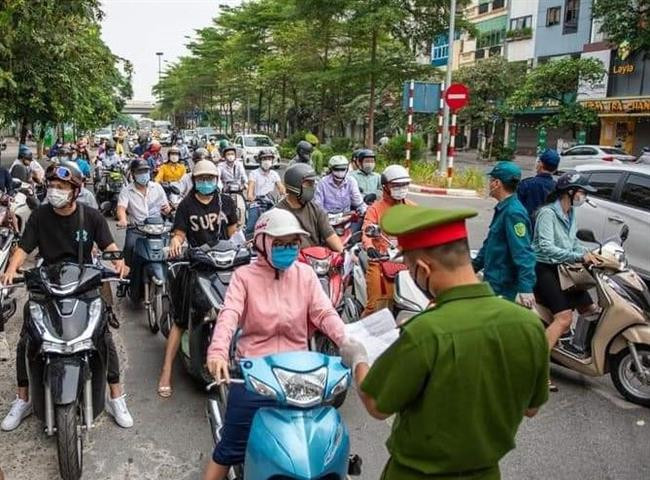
143,178
282,257
206,187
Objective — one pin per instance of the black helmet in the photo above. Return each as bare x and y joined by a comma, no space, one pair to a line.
66,171
110,144
200,154
304,150
228,148
573,180
296,174
139,164
265,152
143,138
364,153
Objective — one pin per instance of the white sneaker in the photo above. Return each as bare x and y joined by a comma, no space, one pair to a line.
5,353
19,409
116,407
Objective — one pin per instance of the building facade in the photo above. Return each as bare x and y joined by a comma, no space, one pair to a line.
563,28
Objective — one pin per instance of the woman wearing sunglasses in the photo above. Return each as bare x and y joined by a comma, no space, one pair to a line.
275,301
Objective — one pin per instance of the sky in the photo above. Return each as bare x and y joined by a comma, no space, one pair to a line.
137,29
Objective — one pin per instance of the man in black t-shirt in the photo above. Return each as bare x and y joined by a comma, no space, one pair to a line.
203,217
56,229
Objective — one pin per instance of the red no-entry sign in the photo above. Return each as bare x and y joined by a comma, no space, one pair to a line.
457,96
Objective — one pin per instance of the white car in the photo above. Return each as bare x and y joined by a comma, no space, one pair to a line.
623,198
249,146
103,134
585,154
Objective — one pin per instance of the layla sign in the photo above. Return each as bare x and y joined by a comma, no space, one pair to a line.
630,105
624,69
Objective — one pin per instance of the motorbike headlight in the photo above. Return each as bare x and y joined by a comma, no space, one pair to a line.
302,389
94,310
321,267
152,229
67,348
262,388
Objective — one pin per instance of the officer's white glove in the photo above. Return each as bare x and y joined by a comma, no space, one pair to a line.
526,300
353,353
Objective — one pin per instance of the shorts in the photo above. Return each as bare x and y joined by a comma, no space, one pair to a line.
242,406
549,293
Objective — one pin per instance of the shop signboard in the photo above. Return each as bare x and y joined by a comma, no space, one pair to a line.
588,91
621,106
542,137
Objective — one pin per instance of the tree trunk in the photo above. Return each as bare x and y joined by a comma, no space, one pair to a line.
268,126
258,117
370,133
283,109
23,131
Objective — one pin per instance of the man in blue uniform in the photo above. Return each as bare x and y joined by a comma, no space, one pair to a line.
532,191
507,258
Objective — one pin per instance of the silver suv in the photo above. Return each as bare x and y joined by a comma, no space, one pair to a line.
623,197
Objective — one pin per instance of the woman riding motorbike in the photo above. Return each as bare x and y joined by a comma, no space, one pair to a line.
171,170
554,243
275,301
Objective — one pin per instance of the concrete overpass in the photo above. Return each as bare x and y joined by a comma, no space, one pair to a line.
138,107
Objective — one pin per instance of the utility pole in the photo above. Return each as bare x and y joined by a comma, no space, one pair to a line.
445,113
159,54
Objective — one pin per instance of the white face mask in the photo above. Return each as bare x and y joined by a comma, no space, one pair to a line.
230,158
57,197
266,164
173,158
579,199
399,193
340,174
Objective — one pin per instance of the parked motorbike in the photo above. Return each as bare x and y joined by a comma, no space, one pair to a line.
304,436
149,273
616,341
66,353
213,267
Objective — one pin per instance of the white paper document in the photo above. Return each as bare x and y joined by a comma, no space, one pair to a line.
376,332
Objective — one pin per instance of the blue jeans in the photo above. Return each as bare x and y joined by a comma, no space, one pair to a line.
131,237
253,215
242,407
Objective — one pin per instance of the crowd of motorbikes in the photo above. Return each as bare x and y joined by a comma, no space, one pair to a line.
67,324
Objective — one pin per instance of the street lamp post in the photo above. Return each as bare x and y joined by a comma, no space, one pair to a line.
159,54
445,113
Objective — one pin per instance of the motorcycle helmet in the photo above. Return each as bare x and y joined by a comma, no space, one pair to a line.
200,154
295,175
24,152
278,222
395,175
304,150
155,146
265,153
139,165
338,162
223,144
228,148
364,153
67,172
174,151
204,168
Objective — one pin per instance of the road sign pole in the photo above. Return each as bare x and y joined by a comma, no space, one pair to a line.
409,124
440,115
452,150
450,62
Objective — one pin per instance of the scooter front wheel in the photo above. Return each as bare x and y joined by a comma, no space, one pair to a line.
627,379
152,315
69,442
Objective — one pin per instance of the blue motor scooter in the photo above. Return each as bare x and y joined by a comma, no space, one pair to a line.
149,272
303,437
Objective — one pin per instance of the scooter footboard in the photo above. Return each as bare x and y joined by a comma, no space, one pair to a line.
297,443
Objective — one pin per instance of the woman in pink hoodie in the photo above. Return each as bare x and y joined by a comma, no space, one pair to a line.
274,301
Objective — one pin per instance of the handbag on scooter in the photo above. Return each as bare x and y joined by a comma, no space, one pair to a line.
391,269
574,276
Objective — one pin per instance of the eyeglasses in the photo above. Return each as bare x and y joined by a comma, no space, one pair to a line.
289,244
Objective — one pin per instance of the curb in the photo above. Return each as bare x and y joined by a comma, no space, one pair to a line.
452,192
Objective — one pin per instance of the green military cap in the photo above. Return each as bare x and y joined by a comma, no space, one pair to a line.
506,171
421,227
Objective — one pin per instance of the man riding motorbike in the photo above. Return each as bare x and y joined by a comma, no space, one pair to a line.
304,149
203,217
25,158
275,302
184,152
154,156
395,182
140,149
111,158
299,181
138,201
232,170
368,180
54,230
261,183
171,170
337,192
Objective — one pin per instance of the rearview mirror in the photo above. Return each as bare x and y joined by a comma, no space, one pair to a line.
586,236
370,198
16,183
625,232
113,256
373,231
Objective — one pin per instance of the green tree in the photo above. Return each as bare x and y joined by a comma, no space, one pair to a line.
556,83
624,21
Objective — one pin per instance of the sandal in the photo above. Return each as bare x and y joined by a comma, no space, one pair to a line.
165,392
552,387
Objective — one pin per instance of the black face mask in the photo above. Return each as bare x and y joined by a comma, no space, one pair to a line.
425,286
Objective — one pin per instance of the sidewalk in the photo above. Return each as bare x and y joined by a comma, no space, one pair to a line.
468,158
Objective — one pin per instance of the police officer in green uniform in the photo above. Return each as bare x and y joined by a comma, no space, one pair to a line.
462,374
507,258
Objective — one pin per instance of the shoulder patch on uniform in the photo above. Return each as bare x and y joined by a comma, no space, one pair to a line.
520,229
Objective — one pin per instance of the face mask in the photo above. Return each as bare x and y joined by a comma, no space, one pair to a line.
266,164
282,257
206,187
579,200
368,167
340,174
173,158
58,198
230,158
142,178
424,286
399,193
307,195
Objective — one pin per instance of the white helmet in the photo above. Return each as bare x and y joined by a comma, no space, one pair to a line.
338,161
395,174
205,167
278,222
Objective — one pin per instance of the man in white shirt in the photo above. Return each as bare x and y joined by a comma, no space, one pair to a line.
262,182
232,170
35,171
138,201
